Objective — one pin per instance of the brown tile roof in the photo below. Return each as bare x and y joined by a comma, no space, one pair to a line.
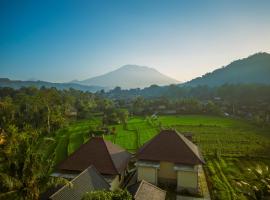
88,180
108,158
170,146
146,191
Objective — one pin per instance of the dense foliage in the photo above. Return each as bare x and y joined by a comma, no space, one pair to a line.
108,195
48,110
245,101
253,69
29,116
24,170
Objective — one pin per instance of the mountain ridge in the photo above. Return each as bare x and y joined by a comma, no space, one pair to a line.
16,84
252,69
130,76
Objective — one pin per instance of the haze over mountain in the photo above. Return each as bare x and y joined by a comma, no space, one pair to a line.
16,84
130,76
253,69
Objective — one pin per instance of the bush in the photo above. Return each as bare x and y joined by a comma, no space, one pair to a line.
108,195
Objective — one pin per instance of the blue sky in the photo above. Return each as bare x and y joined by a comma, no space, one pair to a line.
65,40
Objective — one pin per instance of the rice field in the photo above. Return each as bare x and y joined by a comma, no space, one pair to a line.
229,146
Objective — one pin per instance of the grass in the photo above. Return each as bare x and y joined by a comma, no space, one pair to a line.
224,174
228,145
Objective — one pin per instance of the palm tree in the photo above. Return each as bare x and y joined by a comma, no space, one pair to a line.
24,170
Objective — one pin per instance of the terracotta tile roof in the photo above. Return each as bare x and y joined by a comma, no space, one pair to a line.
170,146
88,180
146,191
108,158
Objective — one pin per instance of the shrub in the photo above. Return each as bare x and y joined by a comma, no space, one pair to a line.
107,195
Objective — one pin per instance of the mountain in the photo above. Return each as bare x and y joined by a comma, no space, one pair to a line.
16,84
130,76
253,69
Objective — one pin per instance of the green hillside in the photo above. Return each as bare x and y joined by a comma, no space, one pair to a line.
253,69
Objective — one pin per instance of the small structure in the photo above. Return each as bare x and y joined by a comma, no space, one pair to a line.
71,112
89,180
146,191
109,159
171,159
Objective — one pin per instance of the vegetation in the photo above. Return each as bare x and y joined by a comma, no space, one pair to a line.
108,195
238,178
236,149
250,101
24,170
230,147
253,69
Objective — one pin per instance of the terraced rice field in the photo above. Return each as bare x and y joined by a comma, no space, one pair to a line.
228,145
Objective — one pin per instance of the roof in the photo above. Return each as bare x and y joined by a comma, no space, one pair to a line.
170,146
107,157
49,192
88,180
146,191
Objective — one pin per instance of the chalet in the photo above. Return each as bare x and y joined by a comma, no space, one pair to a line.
89,180
169,158
146,191
110,160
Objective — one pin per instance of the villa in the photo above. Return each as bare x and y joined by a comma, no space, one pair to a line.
110,160
171,159
168,159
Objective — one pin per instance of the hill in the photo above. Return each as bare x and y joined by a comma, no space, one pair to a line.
130,76
253,69
16,84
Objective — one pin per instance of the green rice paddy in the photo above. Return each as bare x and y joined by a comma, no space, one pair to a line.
235,142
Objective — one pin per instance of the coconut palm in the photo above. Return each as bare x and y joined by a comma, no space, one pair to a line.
24,170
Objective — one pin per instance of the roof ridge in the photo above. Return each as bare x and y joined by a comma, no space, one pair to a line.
62,161
186,141
153,185
70,183
188,151
95,169
104,143
144,147
138,189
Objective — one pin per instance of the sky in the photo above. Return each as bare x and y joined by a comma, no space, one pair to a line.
60,41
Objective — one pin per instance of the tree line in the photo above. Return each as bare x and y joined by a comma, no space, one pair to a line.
251,101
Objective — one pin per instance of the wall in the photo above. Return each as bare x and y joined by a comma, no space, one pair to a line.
115,183
187,180
148,174
166,171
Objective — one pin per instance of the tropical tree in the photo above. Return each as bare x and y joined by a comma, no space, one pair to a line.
123,116
24,170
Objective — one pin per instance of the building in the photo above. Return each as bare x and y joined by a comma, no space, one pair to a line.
169,158
89,180
109,159
146,191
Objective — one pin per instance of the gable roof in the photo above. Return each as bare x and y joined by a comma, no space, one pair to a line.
146,191
88,180
107,157
170,146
